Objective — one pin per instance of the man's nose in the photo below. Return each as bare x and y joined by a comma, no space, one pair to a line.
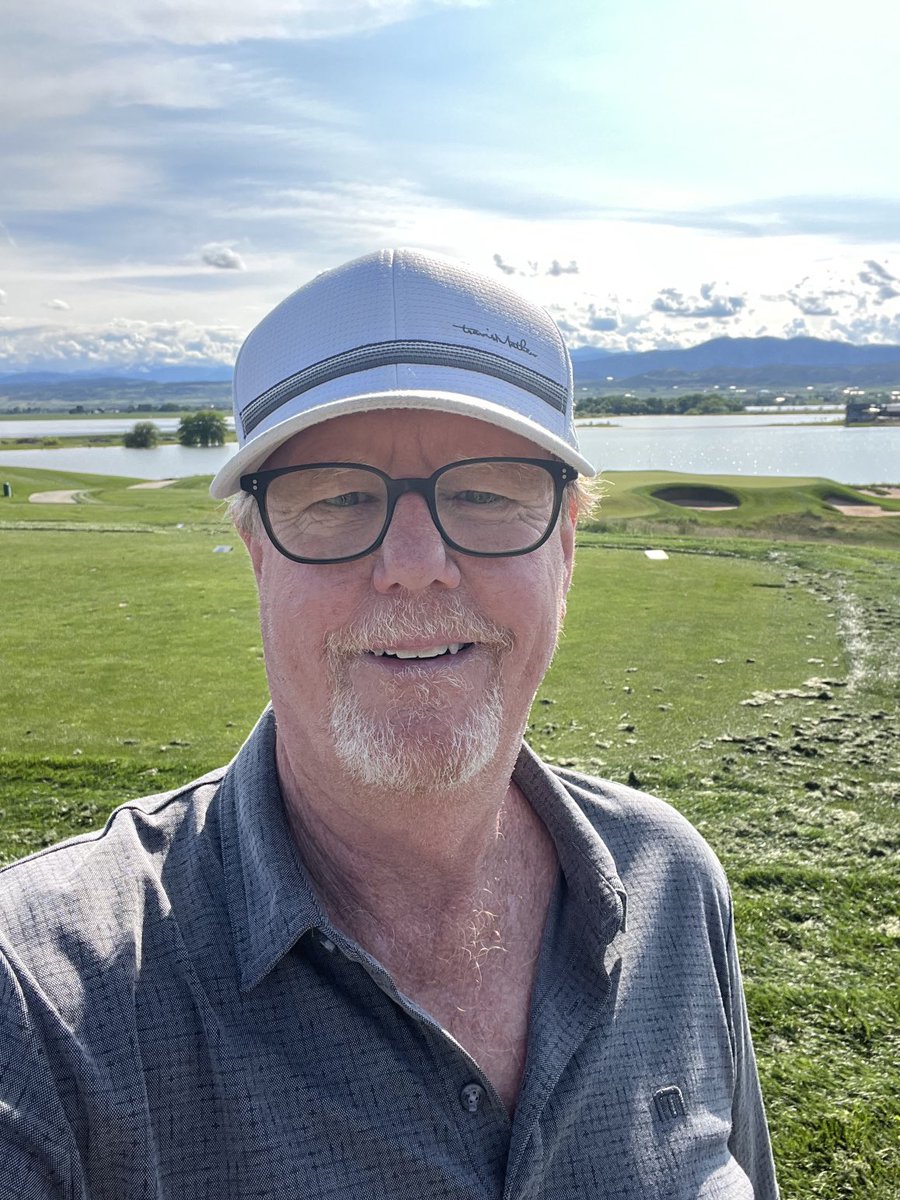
413,554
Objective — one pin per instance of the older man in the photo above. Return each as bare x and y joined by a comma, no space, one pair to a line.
384,953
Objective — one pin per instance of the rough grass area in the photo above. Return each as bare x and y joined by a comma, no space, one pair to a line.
789,766
749,679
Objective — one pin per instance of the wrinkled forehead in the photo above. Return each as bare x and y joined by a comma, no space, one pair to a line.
391,438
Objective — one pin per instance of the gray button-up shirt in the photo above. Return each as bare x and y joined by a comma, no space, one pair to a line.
179,1020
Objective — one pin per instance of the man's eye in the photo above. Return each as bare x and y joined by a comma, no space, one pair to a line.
485,498
348,500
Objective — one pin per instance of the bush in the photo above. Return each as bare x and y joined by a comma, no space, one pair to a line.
144,436
202,428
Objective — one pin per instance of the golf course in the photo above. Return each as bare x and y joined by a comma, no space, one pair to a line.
745,669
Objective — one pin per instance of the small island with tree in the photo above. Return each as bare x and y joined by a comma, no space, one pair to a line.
203,428
143,436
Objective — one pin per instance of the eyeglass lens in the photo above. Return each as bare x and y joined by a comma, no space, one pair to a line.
337,512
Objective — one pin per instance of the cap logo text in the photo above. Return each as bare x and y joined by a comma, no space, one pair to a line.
506,340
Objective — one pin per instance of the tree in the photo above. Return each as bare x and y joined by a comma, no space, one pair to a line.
143,436
202,428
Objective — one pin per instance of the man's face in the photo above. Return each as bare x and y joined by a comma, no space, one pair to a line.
332,633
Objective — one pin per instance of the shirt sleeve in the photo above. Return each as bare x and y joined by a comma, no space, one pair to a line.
749,1142
35,1162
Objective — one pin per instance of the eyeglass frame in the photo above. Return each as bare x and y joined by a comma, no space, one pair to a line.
257,483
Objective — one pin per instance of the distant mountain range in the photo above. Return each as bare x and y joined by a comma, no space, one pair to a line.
134,373
757,362
722,362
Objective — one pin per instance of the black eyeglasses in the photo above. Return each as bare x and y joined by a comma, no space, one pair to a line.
334,512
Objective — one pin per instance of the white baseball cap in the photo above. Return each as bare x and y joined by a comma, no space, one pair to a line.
401,329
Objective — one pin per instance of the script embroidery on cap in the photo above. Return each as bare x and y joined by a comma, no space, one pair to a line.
506,340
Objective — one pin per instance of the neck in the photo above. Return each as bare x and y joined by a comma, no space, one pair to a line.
448,891
399,872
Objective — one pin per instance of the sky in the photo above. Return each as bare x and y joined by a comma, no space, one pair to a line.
654,173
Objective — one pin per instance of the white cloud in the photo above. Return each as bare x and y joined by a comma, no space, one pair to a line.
3,296
709,303
883,327
59,305
601,322
885,285
815,303
65,86
120,343
536,267
215,254
217,22
556,268
72,179
830,301
346,218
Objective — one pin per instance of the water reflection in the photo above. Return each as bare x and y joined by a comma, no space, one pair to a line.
739,445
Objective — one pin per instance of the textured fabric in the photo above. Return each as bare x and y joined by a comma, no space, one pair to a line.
401,329
179,1020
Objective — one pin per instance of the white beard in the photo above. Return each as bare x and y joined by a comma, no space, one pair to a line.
417,741
416,748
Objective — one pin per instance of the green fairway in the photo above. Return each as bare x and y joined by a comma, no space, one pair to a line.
750,678
673,647
763,506
107,502
125,641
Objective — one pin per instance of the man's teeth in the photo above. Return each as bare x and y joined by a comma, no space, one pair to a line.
432,652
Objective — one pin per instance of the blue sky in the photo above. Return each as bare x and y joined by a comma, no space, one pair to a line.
655,173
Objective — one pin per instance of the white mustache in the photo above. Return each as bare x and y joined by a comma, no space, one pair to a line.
444,621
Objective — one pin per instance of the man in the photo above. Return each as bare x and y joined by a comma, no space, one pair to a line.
385,952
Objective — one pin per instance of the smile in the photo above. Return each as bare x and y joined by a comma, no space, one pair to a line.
424,652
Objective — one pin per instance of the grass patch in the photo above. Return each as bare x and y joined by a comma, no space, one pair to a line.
767,507
750,679
137,643
657,653
109,502
72,441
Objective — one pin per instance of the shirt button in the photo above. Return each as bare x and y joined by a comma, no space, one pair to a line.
471,1097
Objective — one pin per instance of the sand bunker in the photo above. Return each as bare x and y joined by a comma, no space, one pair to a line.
707,499
55,497
857,510
885,493
150,483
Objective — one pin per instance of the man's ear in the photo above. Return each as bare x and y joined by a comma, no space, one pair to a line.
255,550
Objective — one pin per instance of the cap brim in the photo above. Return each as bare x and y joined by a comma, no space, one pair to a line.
251,457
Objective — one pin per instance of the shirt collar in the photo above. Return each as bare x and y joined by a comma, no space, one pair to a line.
271,902
588,866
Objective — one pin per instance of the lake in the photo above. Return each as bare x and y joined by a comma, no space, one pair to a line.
737,444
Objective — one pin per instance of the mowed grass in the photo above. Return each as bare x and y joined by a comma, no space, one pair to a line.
107,502
672,647
123,642
117,640
765,506
750,681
